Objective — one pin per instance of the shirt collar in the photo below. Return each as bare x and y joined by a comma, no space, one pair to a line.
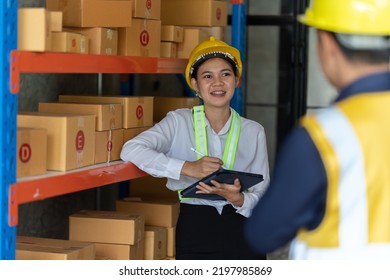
372,83
225,128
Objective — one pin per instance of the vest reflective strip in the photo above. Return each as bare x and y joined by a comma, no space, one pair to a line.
353,217
232,141
200,130
229,153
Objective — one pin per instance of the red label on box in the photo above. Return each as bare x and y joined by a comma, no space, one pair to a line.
109,146
25,153
219,12
144,38
80,140
148,4
139,112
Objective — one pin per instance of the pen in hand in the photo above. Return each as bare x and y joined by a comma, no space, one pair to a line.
197,152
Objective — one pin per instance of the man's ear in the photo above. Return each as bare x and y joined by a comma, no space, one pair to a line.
327,43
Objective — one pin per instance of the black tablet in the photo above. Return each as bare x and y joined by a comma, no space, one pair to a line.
247,180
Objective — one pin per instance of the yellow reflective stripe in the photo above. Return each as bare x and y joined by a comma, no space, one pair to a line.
230,150
200,130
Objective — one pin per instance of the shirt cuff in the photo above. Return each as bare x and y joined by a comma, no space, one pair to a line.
174,168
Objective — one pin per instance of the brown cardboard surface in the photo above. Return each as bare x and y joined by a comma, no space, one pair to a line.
163,105
155,243
194,13
168,49
137,111
192,37
69,42
107,227
31,151
34,29
71,138
36,248
172,33
108,116
101,40
108,145
148,9
93,13
141,39
120,251
157,212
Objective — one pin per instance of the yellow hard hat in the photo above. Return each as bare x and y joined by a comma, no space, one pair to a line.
212,48
368,17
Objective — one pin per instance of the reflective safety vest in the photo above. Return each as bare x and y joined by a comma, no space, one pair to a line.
229,153
353,139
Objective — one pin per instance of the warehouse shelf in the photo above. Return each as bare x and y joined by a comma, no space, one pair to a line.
49,62
52,184
13,63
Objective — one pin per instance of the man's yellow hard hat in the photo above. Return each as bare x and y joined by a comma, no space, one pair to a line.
213,48
366,17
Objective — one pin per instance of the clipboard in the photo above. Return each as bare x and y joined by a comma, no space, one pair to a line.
226,176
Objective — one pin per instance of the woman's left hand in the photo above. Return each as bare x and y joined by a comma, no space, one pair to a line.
230,192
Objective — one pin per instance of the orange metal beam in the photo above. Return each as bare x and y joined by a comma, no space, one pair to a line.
237,1
46,62
68,182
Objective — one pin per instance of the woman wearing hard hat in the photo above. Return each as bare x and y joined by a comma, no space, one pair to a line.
330,191
189,144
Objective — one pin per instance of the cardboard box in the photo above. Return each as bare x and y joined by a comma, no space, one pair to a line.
31,151
163,105
194,13
141,39
108,116
69,42
171,242
168,49
93,13
106,251
130,133
192,37
159,212
172,33
137,111
108,145
36,248
148,9
71,138
107,227
101,40
149,187
155,243
55,21
34,29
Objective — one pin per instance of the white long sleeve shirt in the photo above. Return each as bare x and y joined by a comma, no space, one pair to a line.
162,150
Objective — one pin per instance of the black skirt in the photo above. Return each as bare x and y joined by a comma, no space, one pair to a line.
203,234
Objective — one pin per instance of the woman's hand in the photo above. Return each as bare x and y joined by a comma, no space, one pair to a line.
230,192
201,167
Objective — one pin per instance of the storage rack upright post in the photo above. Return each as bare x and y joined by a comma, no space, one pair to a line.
15,192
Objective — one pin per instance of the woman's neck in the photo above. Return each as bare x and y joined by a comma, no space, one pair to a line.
217,117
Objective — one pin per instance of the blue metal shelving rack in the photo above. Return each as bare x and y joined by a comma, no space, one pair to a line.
239,12
9,108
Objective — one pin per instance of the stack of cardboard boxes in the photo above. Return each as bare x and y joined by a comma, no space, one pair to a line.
150,28
199,20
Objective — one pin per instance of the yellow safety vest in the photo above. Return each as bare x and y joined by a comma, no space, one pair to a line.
353,139
229,153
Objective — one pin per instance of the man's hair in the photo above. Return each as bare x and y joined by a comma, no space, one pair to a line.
367,56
